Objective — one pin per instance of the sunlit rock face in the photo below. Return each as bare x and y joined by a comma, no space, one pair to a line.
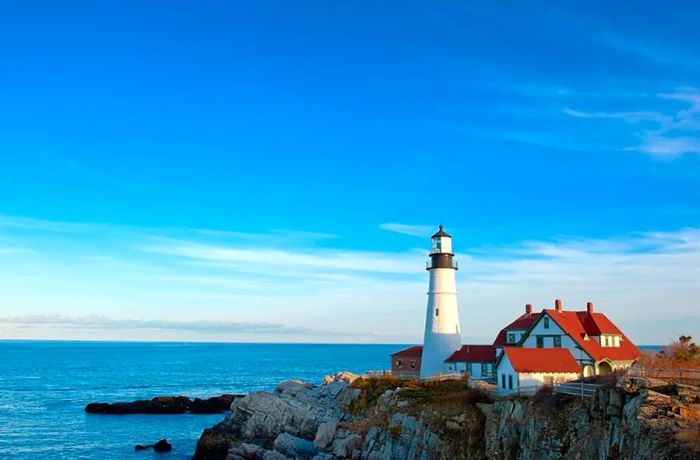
412,420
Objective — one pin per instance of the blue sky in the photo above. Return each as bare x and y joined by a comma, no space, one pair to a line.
250,171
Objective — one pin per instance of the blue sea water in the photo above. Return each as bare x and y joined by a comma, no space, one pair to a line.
45,385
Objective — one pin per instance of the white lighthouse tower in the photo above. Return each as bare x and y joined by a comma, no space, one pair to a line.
442,333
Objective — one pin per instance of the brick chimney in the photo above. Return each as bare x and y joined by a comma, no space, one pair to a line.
589,307
557,305
528,308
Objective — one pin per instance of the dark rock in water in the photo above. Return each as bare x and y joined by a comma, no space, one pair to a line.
212,405
165,405
161,446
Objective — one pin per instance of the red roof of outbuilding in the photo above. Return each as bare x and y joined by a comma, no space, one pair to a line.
541,359
473,353
522,322
582,326
414,351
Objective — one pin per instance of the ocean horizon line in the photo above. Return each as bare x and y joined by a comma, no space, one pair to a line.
194,342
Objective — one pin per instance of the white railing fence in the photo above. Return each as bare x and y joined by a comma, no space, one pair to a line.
688,376
582,389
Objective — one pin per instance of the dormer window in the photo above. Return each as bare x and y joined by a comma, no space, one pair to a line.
511,338
610,340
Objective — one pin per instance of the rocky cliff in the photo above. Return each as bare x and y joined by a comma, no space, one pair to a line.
351,418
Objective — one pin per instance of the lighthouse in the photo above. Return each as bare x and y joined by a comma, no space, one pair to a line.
442,333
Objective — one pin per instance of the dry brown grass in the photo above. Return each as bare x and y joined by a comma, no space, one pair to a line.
690,437
436,401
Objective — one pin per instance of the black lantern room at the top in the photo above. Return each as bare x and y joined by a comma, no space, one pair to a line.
441,251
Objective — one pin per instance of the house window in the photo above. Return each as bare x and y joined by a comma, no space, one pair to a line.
413,364
399,362
511,338
484,369
546,322
548,380
557,341
540,341
510,381
503,381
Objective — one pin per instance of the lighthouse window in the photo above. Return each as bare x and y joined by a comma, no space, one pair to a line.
437,312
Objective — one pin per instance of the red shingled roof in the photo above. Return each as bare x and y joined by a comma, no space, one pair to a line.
579,324
473,353
522,322
541,359
410,352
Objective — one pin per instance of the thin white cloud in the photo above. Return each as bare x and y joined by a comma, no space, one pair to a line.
102,322
664,146
670,134
407,229
363,261
30,223
630,117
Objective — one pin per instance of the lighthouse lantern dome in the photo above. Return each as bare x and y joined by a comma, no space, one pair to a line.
441,242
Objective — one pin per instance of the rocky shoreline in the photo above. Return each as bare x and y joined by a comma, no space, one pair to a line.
348,417
165,405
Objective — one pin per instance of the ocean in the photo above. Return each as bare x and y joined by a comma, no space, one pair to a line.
45,385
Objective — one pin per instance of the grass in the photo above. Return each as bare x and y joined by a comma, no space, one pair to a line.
690,437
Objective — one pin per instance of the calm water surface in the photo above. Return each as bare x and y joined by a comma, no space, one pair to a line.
45,385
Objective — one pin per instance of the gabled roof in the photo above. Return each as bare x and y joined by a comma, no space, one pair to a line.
541,359
522,322
582,326
411,352
473,353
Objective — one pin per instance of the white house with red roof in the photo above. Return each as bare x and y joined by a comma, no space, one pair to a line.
596,343
559,342
521,368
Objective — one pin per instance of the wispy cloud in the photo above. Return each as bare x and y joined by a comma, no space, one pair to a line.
101,322
30,223
362,261
407,229
663,134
